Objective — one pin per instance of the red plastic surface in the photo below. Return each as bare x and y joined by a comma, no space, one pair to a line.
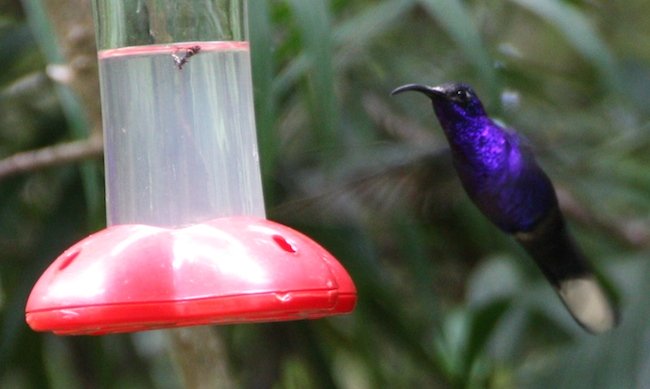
228,270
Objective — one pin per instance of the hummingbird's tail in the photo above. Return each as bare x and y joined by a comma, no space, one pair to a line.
566,268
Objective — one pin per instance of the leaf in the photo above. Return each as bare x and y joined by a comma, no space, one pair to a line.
313,20
457,22
483,324
265,98
371,22
579,32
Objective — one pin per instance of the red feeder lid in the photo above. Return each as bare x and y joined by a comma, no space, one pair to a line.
228,270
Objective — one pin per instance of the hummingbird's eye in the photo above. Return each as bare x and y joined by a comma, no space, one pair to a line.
463,96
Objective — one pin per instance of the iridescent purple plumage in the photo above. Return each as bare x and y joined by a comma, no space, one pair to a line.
499,173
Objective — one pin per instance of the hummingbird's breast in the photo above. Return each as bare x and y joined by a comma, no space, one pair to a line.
504,181
482,150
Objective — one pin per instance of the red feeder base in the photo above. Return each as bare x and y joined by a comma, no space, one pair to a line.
230,270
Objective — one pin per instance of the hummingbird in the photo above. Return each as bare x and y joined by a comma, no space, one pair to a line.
499,173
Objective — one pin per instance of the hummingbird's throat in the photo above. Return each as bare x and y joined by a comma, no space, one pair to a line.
479,145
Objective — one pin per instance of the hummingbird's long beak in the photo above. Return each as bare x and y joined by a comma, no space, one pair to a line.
431,92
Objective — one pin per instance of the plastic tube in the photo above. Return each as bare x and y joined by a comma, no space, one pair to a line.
177,103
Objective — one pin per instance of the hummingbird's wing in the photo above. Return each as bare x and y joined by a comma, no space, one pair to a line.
418,182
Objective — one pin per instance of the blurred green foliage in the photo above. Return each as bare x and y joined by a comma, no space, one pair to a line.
445,300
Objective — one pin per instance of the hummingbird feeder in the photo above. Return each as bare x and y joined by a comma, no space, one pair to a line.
187,242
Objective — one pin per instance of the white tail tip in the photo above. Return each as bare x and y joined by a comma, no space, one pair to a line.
588,304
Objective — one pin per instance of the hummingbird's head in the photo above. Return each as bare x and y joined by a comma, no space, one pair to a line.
452,102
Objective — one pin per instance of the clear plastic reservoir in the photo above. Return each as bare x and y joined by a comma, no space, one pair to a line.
177,105
179,129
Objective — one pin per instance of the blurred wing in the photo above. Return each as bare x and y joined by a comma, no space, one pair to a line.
419,183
